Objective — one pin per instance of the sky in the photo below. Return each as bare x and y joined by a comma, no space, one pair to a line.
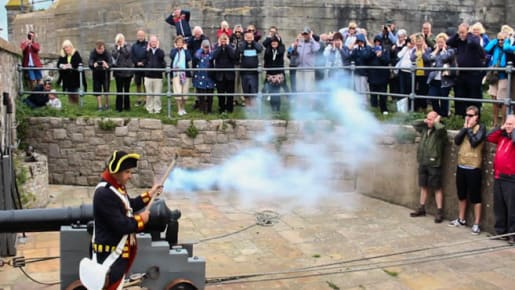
3,14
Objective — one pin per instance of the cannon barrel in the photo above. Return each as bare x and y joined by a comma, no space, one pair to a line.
51,219
43,219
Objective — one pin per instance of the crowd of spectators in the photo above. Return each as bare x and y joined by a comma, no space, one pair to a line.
384,66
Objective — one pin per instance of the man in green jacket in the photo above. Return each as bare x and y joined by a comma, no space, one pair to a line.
429,157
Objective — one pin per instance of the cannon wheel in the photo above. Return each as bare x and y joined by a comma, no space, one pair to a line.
75,285
180,284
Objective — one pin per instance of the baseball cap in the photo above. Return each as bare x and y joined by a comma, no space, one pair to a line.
306,30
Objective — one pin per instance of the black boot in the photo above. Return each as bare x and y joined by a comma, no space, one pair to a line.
439,216
421,211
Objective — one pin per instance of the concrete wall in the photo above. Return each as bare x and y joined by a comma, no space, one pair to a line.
396,180
84,22
77,150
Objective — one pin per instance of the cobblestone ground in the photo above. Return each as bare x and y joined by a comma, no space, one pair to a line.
358,239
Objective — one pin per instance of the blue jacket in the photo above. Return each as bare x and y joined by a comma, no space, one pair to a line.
201,78
498,56
361,56
379,76
173,53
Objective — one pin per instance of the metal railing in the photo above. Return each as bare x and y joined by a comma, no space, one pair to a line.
350,69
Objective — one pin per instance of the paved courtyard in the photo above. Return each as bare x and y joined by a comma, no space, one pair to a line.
346,241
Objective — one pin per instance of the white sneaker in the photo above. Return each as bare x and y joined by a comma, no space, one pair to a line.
475,229
457,223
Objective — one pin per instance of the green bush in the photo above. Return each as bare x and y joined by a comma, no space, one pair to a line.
107,125
192,131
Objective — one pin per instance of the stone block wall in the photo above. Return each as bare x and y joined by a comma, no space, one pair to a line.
9,59
77,150
35,187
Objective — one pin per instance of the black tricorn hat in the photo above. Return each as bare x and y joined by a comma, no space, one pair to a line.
121,161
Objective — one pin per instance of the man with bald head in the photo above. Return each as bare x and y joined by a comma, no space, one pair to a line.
139,55
429,157
469,53
504,178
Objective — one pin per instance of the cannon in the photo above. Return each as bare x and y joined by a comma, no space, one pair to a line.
161,263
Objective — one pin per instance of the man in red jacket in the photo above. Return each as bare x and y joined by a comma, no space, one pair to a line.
504,173
30,49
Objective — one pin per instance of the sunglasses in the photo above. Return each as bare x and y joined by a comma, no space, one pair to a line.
470,115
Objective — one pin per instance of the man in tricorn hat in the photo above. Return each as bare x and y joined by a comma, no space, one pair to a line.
115,217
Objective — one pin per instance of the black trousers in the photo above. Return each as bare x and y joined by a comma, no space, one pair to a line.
378,100
504,206
123,85
467,85
225,103
205,101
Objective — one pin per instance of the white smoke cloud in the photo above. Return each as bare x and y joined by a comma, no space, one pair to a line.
304,169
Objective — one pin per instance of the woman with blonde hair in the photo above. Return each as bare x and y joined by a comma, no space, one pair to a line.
440,81
417,56
121,54
69,75
478,30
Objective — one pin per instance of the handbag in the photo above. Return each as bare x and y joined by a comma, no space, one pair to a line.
492,76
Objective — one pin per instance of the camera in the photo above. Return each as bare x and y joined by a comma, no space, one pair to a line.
378,48
29,36
100,62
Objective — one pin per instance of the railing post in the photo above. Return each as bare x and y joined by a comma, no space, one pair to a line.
81,85
168,91
21,91
412,95
352,74
259,96
508,100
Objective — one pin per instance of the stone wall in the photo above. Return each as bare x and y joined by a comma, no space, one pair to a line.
9,59
35,189
78,148
84,22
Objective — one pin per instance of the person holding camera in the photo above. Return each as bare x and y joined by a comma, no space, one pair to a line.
100,62
30,49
